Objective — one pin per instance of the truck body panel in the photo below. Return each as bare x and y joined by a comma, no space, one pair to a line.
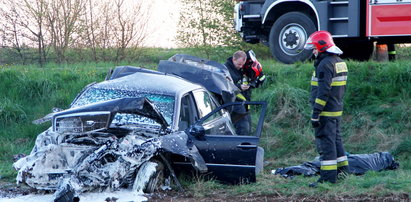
387,19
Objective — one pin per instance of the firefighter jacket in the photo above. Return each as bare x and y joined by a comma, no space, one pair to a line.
328,85
238,77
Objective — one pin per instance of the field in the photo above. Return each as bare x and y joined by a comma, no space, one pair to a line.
377,118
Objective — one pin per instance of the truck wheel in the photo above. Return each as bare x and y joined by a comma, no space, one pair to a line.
149,177
288,36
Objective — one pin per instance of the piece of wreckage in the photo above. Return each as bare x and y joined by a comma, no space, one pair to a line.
359,164
138,131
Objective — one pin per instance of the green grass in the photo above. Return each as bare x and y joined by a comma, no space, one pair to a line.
370,185
376,118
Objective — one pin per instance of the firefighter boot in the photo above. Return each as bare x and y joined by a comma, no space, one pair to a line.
342,172
326,176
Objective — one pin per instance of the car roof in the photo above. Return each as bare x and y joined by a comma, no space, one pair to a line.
150,82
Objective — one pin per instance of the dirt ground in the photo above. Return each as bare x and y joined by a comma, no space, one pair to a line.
8,189
220,197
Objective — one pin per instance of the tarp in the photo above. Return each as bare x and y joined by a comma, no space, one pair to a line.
358,164
214,76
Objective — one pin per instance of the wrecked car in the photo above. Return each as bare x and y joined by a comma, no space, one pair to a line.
140,130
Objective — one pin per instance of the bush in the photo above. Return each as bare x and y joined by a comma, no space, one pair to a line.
11,112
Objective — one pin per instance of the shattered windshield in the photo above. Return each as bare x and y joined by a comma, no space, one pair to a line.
164,103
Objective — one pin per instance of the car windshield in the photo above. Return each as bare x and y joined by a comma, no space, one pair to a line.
164,103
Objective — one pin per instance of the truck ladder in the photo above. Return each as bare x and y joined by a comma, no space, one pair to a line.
343,18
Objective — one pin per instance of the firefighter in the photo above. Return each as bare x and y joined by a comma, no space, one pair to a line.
328,85
247,73
239,114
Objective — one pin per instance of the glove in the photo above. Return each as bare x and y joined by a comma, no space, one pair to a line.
315,120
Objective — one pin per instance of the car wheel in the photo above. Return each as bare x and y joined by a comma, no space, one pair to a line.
288,36
149,177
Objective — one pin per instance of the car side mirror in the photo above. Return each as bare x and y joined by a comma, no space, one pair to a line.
197,131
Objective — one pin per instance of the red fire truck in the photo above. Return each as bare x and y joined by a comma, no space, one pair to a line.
284,25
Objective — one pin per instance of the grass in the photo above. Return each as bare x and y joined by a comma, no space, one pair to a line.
376,118
372,185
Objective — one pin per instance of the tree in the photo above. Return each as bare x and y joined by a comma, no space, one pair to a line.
90,27
24,22
35,10
10,26
118,25
130,27
63,23
205,24
98,25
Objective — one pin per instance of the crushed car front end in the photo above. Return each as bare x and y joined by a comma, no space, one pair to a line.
91,147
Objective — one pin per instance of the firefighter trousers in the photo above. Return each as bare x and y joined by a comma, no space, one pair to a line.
330,147
243,124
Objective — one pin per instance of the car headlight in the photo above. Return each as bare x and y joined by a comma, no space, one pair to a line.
81,122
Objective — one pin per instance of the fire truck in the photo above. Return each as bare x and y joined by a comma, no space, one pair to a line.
356,25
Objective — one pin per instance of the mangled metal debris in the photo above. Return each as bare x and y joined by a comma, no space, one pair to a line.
97,159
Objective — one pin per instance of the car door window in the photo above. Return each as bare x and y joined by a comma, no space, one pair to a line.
217,124
204,103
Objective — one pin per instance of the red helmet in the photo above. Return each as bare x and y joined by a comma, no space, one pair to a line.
257,68
323,42
252,68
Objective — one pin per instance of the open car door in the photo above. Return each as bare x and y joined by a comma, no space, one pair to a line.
229,157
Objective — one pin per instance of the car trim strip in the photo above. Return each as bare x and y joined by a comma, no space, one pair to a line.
215,164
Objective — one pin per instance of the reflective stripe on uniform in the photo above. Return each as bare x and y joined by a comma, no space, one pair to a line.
328,162
339,83
336,81
320,102
241,96
331,114
340,78
262,78
329,165
342,161
342,158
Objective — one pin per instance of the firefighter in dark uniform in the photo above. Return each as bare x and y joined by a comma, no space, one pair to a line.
328,85
246,73
234,65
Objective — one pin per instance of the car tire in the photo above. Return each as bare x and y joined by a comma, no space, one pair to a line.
288,36
150,177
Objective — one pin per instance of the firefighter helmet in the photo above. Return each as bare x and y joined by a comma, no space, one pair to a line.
323,42
252,68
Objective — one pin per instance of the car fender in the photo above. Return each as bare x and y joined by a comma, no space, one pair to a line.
179,143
